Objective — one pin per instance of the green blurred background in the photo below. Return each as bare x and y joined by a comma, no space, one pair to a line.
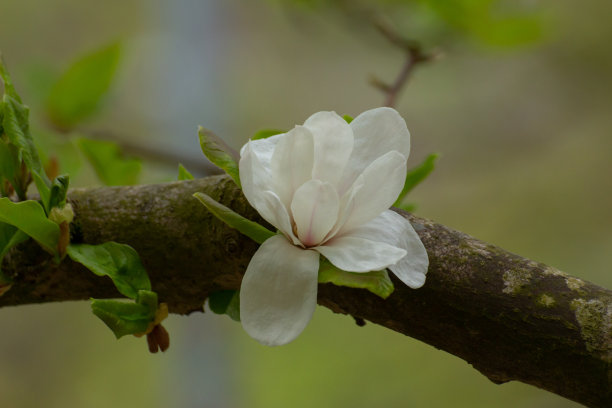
523,131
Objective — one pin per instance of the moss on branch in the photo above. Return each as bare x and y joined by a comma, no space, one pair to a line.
511,318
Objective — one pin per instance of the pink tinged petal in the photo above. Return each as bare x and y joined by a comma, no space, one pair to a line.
279,291
333,143
376,132
292,161
375,190
393,229
356,254
315,211
279,215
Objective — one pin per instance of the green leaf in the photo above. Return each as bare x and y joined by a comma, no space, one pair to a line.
225,302
77,94
59,189
410,207
16,126
377,282
183,174
10,236
43,189
415,176
8,165
29,217
119,262
123,317
247,227
347,118
219,153
9,89
106,159
266,133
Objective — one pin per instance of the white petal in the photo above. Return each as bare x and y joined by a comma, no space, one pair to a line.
375,190
356,254
333,140
376,132
278,294
262,148
315,211
393,229
292,161
279,215
255,179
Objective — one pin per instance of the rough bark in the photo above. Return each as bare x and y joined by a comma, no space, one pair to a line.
511,318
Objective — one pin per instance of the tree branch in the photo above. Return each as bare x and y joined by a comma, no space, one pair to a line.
413,53
511,318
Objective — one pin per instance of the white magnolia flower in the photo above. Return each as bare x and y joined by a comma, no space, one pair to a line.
327,186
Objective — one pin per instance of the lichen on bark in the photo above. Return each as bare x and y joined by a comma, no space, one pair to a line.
480,302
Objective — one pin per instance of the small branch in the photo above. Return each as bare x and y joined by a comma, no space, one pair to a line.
414,55
509,317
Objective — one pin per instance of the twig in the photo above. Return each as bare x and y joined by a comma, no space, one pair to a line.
414,55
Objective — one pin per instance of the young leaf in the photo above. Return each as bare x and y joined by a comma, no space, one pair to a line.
347,118
16,126
219,153
123,317
247,227
10,236
119,262
9,89
266,133
183,174
377,282
29,217
41,182
8,164
225,302
415,176
59,189
105,157
77,93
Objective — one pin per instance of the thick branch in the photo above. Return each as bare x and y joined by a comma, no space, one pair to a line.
511,318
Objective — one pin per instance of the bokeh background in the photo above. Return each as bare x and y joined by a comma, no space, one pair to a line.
524,132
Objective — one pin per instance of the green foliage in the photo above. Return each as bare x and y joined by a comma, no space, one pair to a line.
183,174
377,282
219,153
9,168
501,23
347,118
225,302
127,317
266,133
16,143
77,94
106,159
29,217
59,189
10,236
415,176
119,262
484,20
247,227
